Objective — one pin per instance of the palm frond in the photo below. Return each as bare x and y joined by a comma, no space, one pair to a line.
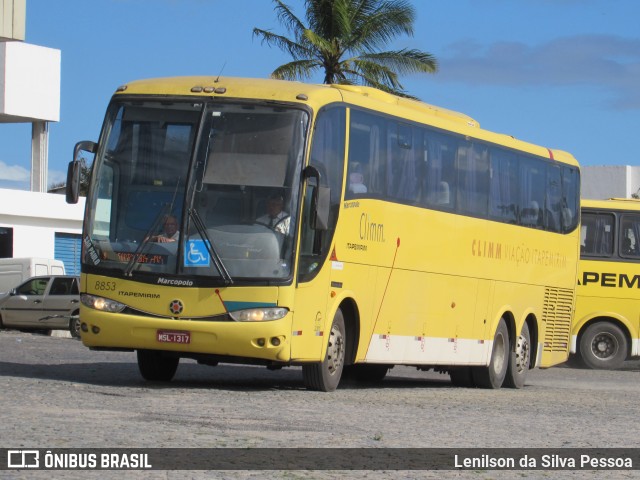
287,18
383,24
296,50
323,48
405,61
298,70
329,18
373,73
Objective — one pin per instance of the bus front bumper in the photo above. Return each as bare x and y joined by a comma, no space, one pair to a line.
258,340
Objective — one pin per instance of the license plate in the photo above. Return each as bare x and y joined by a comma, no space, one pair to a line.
173,336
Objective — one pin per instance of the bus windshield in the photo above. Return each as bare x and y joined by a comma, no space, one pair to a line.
196,188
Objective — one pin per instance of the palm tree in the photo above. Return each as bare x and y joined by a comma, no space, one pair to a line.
344,38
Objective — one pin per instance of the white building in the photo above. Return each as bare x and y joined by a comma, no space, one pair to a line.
35,223
610,181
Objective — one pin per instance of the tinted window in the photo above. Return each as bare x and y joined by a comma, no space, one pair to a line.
473,179
417,165
63,286
630,236
439,178
596,234
327,155
504,198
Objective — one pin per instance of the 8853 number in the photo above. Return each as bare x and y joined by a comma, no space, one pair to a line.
105,286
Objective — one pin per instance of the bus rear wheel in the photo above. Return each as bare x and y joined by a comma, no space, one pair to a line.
492,376
325,376
603,345
519,360
155,366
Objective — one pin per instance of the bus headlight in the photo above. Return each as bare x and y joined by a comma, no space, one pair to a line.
266,314
101,303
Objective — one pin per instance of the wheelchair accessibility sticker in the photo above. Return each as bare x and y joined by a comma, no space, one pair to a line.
196,254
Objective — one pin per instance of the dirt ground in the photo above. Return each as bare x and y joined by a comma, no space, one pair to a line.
55,393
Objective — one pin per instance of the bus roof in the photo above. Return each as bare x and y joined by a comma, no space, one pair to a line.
612,204
316,95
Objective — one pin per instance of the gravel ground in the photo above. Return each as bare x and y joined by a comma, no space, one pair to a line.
55,393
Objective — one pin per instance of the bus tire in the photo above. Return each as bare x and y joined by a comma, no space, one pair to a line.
325,376
492,376
156,367
519,360
462,377
603,345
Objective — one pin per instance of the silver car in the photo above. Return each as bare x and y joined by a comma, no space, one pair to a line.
43,303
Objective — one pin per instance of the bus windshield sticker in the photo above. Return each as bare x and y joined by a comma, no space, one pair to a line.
196,254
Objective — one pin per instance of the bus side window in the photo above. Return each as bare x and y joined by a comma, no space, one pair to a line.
629,236
439,172
570,207
473,179
532,193
327,156
504,186
597,235
357,184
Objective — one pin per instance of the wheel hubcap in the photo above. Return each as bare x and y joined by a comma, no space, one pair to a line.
335,352
604,346
522,354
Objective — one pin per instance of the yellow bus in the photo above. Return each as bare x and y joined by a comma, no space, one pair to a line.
606,326
323,226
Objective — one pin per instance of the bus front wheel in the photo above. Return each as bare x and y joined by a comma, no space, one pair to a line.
603,345
492,376
156,367
325,376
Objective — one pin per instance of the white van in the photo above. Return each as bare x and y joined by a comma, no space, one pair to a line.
13,271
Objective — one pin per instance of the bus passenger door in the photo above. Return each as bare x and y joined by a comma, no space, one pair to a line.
323,188
308,335
312,291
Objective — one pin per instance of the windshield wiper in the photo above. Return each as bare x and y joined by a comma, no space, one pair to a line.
217,261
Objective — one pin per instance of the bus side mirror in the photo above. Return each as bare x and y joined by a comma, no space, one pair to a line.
320,200
73,182
320,208
75,169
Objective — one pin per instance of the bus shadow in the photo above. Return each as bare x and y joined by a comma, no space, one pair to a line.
194,376
627,366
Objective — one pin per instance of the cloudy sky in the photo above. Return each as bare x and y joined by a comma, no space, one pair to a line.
561,73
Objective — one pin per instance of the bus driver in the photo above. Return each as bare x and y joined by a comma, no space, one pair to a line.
276,218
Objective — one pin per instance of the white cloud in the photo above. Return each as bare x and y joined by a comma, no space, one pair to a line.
609,63
14,173
56,176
